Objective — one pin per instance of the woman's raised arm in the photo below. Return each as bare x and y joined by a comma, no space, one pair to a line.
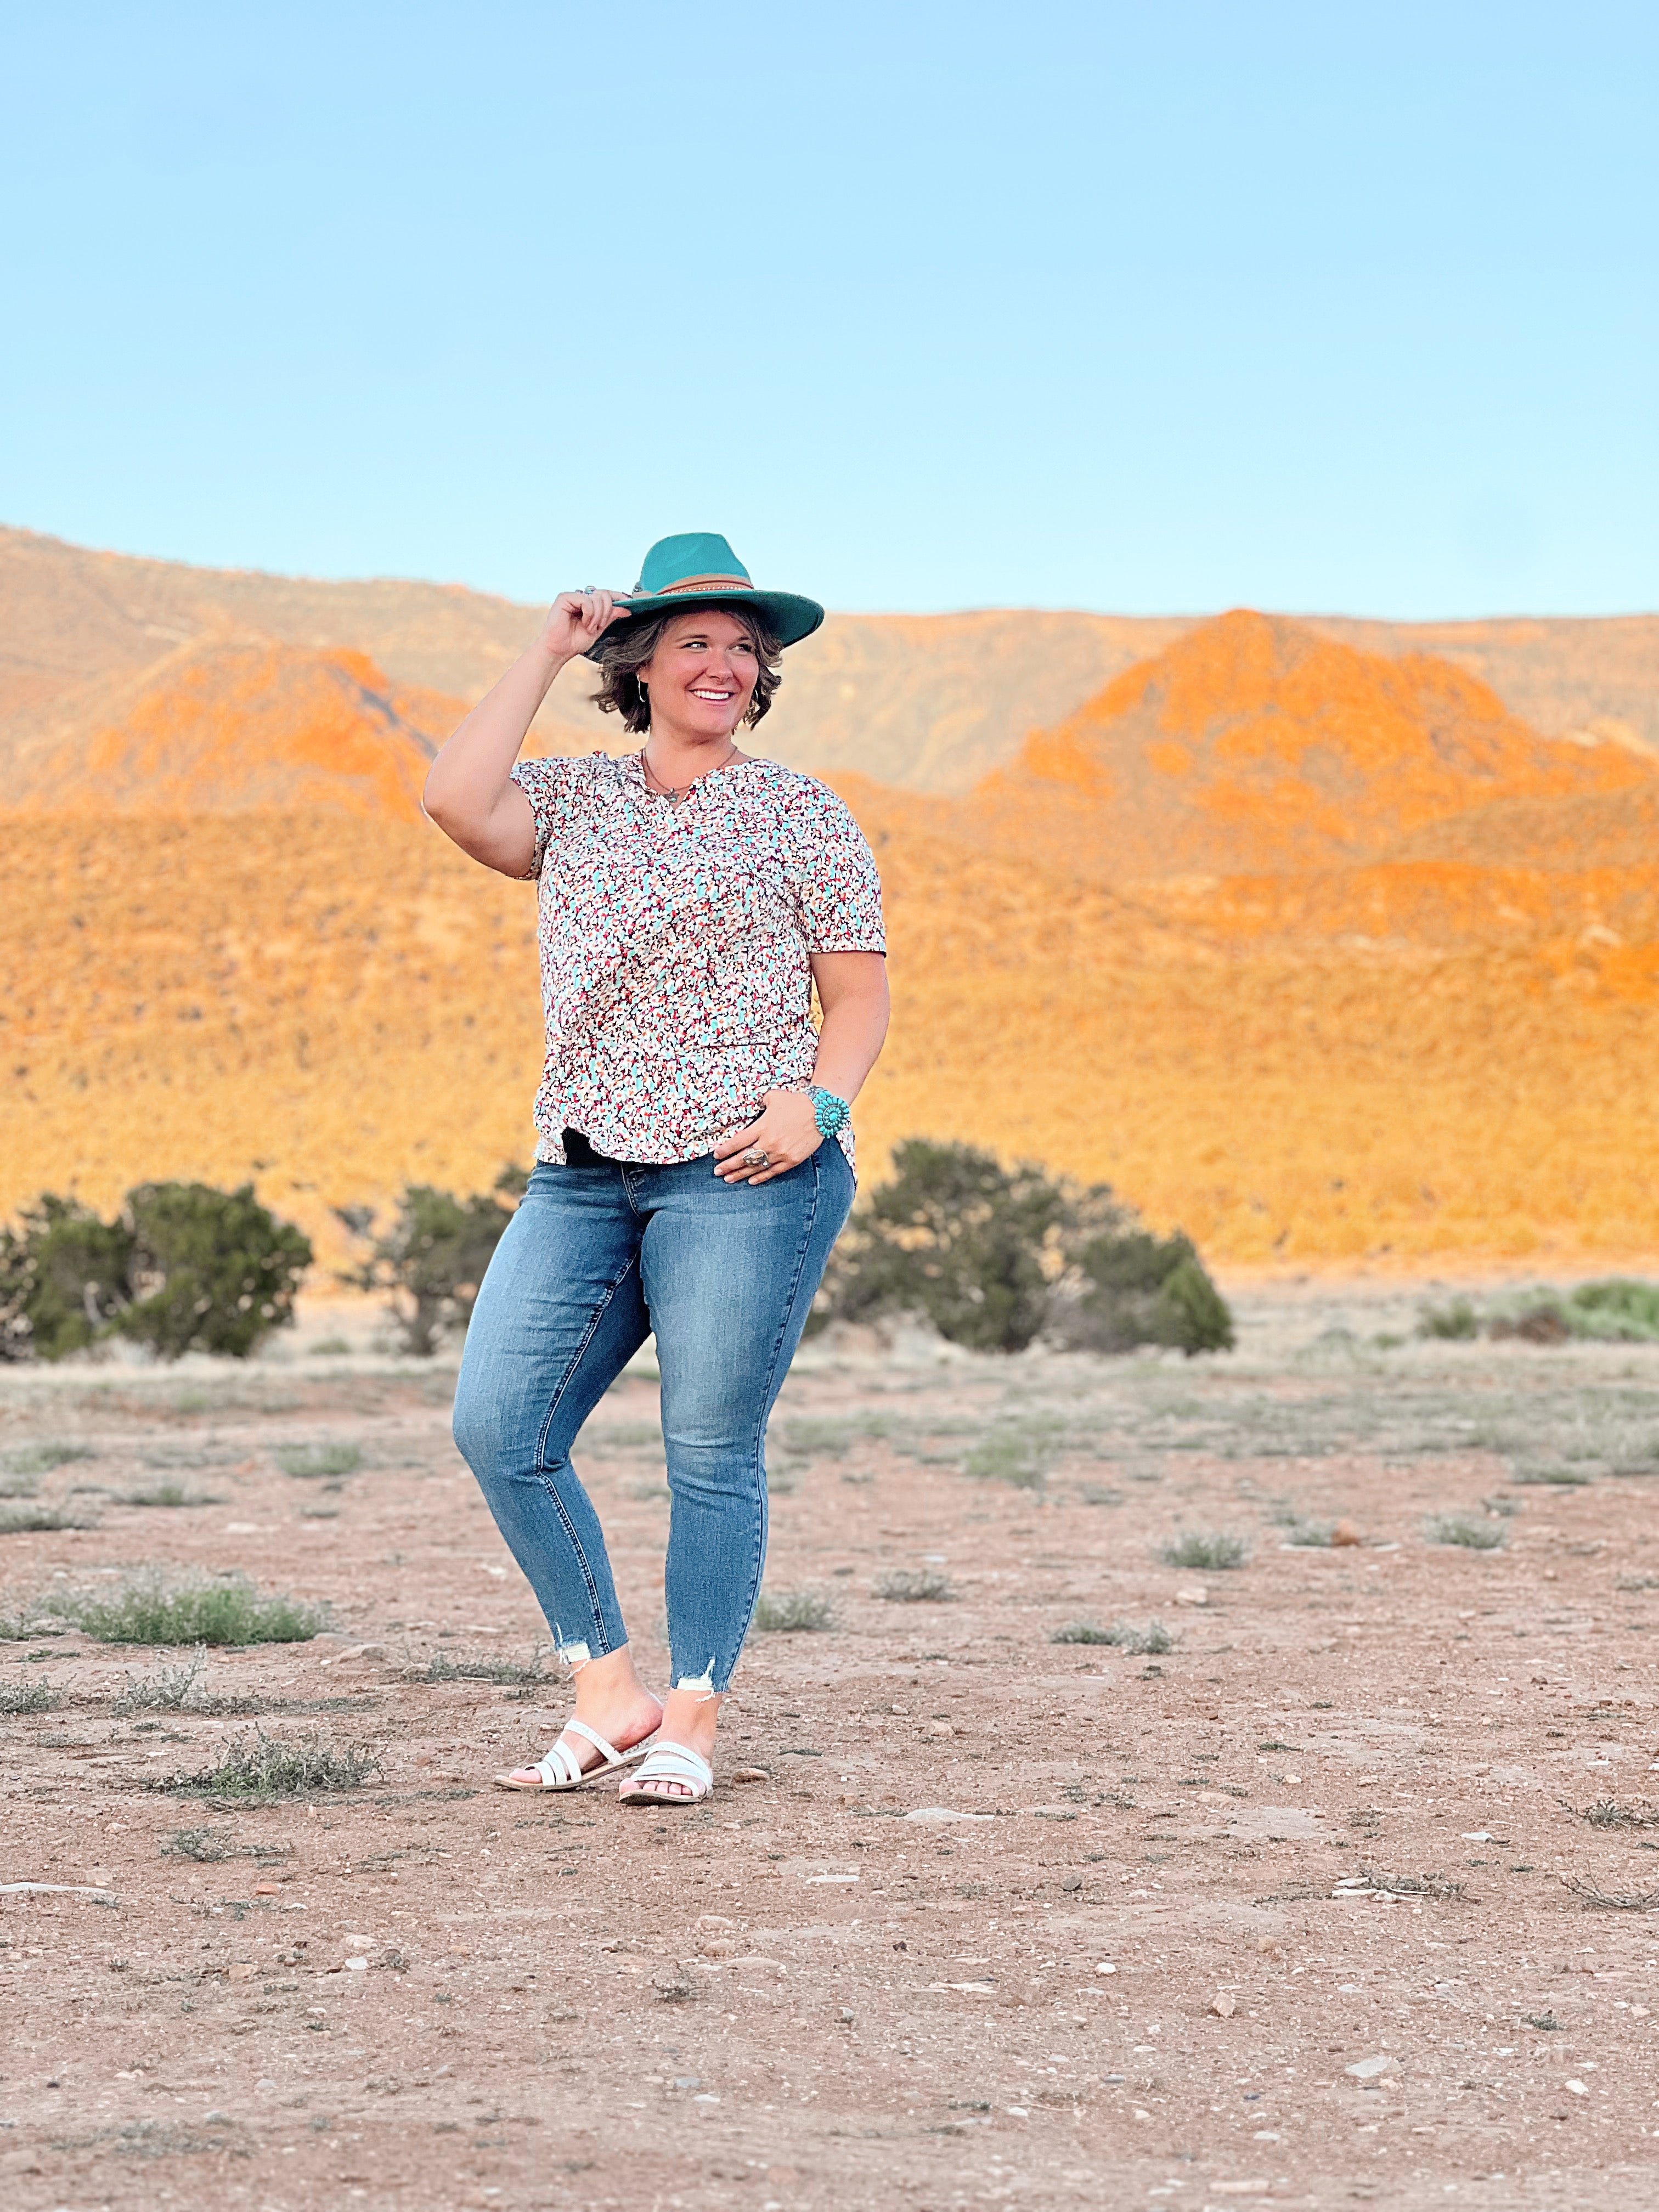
470,792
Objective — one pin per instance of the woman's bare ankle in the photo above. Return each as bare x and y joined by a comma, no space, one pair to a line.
610,1698
691,1717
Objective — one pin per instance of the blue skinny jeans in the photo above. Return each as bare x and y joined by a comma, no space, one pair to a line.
594,1259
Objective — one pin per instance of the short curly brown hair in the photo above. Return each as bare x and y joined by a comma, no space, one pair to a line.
624,649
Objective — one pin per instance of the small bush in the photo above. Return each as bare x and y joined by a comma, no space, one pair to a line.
956,1237
1608,1813
1211,1551
149,1610
204,1845
329,1348
1557,1478
260,1768
794,1612
1020,1457
169,1690
1464,1529
1545,1322
1149,1640
913,1586
1618,1308
29,1695
1456,1322
64,1279
27,1520
42,1458
313,1461
994,1256
432,1259
211,1270
1141,1289
184,1268
1306,1535
167,1494
486,1667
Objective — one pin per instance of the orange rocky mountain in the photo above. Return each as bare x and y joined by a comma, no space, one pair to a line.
233,723
928,702
241,723
1256,744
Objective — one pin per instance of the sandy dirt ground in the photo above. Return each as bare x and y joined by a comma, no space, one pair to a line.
1304,1908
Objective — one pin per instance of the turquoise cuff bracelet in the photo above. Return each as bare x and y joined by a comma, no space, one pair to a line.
831,1114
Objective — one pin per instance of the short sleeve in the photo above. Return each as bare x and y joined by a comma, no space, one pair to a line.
837,887
548,785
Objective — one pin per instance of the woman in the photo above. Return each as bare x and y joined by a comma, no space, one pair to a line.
695,1159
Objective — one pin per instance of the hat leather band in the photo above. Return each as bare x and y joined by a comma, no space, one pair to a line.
700,584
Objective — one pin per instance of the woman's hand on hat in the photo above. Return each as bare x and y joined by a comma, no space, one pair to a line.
576,618
787,1132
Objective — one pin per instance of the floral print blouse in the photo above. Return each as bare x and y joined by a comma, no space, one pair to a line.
674,946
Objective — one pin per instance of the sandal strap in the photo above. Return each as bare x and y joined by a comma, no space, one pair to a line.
593,1735
676,1762
562,1768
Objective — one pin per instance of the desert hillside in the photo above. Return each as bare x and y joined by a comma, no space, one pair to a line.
929,702
1255,743
1324,954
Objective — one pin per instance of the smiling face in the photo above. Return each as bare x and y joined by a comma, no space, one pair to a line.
702,676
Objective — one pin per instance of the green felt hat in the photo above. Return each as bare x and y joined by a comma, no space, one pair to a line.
700,569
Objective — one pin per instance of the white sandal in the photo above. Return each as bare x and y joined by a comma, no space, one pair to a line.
670,1762
561,1769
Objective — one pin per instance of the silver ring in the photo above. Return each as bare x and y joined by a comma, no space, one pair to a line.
754,1157
587,591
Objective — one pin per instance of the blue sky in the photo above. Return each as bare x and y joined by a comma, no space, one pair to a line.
1347,307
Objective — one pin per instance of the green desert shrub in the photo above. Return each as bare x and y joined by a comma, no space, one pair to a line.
1470,1532
183,1267
1141,1289
41,1519
1617,1310
179,1689
149,1608
64,1279
1149,1639
957,1238
261,1768
431,1260
993,1257
486,1667
913,1586
794,1612
1619,1307
1456,1322
29,1694
202,1844
315,1462
1020,1455
1211,1551
43,1457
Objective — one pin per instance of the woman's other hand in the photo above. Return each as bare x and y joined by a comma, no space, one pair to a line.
575,619
786,1132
